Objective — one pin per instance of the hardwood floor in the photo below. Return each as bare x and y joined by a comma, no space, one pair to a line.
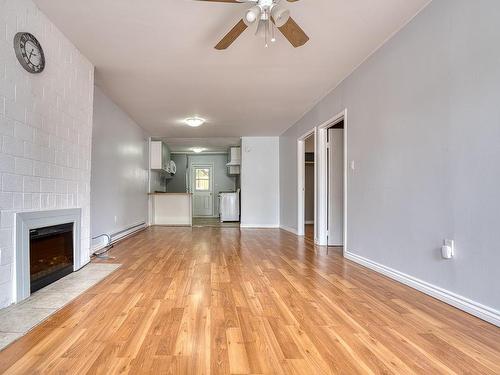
220,301
213,222
309,232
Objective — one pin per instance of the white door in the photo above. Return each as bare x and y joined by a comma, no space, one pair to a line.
335,187
202,188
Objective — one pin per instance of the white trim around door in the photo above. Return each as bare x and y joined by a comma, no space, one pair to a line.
301,180
322,178
210,166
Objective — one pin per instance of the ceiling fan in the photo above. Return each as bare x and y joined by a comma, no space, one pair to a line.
269,15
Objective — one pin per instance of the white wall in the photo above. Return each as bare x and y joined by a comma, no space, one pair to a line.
45,129
119,182
423,127
260,182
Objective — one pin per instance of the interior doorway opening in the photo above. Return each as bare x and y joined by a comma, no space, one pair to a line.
331,148
306,186
335,183
309,187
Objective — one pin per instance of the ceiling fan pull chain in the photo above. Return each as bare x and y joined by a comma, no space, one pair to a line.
267,33
273,31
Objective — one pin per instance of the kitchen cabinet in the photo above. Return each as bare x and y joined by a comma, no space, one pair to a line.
234,164
172,209
233,170
160,156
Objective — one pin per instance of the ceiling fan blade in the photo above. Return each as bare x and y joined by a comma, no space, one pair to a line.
232,35
295,35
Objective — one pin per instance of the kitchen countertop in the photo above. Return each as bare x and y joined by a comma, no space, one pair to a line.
172,209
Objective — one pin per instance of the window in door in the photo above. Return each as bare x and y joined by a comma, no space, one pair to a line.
202,179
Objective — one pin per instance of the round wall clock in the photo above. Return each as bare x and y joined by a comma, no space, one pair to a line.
29,52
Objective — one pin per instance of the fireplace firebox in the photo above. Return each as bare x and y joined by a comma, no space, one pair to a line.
51,254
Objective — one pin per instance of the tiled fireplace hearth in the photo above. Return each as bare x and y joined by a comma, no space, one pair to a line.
47,248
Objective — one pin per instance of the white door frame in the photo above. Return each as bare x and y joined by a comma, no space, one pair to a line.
322,186
194,165
301,182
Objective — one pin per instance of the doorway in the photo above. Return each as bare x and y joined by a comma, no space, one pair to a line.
306,162
331,218
203,190
335,181
309,188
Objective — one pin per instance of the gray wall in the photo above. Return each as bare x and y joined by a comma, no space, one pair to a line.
424,130
222,182
158,181
177,184
119,175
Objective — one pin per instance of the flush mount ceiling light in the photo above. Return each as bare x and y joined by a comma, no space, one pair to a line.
197,150
194,122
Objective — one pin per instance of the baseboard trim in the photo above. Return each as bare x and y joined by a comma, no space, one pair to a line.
289,229
119,236
259,226
474,308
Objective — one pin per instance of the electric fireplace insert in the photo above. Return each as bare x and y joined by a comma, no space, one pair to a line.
51,254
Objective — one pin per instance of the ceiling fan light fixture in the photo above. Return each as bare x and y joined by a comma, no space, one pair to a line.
195,121
252,14
280,15
270,17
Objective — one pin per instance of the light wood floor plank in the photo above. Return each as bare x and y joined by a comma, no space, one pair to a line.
225,301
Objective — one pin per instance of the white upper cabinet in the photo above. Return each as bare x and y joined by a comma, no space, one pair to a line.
160,156
234,155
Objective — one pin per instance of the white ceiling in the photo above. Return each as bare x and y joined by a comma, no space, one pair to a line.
212,144
156,59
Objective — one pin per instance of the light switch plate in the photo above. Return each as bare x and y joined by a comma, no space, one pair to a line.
450,243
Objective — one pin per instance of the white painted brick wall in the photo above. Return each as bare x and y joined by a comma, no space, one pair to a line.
45,130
